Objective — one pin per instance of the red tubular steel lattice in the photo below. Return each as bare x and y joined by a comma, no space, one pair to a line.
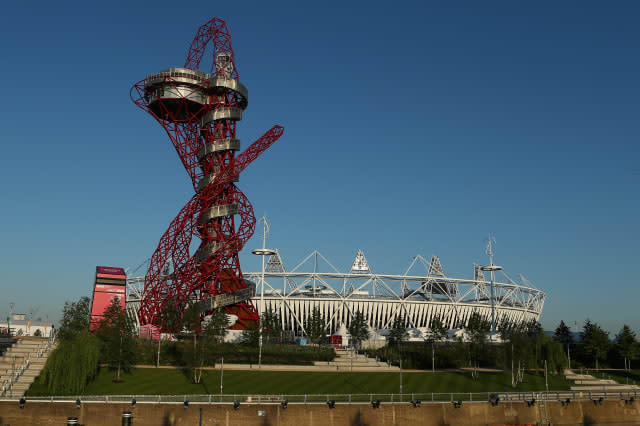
199,112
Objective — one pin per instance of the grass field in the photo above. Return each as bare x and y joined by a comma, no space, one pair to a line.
175,382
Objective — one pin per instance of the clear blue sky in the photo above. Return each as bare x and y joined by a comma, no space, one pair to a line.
409,128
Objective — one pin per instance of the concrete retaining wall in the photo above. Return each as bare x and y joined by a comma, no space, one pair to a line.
470,414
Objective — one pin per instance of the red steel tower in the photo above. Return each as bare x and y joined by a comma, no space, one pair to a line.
199,112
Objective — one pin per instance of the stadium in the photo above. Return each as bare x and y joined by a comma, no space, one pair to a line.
422,293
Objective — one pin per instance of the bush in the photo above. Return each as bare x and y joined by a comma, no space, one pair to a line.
175,353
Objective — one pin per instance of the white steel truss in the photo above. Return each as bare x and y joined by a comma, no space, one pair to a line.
418,295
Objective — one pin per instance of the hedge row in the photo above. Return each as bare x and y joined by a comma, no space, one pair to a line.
175,353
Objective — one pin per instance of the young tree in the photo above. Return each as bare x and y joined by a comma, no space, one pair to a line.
627,346
211,335
251,335
478,329
117,333
437,332
595,341
169,321
358,329
191,321
315,326
217,326
535,334
398,332
271,326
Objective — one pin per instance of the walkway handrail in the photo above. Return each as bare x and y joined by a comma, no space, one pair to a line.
565,397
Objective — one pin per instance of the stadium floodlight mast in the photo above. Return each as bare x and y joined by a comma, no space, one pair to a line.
492,269
262,252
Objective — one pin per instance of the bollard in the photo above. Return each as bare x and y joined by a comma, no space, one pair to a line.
72,421
127,418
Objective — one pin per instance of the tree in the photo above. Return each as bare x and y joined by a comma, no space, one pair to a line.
437,332
37,333
563,335
535,334
271,326
398,332
217,326
358,329
191,321
627,346
72,364
251,335
595,341
478,328
117,333
210,337
315,326
74,361
75,318
169,321
513,333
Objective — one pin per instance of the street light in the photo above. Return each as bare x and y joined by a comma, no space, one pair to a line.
262,252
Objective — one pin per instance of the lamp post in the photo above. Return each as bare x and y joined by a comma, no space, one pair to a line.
262,252
492,269
221,377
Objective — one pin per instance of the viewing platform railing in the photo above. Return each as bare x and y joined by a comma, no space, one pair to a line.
566,397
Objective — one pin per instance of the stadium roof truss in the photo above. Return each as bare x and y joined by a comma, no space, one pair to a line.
421,293
362,284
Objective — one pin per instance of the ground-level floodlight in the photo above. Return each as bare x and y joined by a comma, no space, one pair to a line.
284,404
531,403
494,400
331,404
376,403
416,403
78,403
72,421
566,402
186,404
127,418
236,405
457,404
22,402
133,403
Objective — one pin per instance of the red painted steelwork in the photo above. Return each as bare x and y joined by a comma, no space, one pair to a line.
180,114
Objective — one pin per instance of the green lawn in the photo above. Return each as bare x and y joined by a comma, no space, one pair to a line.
175,382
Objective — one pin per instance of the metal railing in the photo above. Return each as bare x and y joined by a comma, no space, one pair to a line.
386,398
16,373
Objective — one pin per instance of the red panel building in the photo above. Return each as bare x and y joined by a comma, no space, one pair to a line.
110,282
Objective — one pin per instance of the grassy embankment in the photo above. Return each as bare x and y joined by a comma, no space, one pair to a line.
152,381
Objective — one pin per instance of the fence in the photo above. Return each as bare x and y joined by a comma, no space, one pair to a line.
384,398
18,370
